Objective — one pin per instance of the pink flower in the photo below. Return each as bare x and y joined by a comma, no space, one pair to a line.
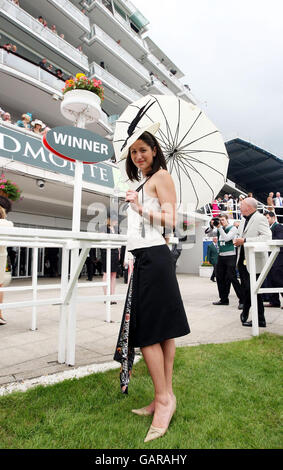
2,186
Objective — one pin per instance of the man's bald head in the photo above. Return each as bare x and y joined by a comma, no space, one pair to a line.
248,206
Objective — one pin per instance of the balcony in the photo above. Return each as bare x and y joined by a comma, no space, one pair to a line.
26,86
62,13
102,47
101,13
169,78
74,13
156,87
12,64
186,95
33,34
114,85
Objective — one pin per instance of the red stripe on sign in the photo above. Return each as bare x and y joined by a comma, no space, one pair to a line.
46,144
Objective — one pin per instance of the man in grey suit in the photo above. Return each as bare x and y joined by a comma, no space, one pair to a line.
253,227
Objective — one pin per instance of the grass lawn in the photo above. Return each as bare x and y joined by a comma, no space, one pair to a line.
228,396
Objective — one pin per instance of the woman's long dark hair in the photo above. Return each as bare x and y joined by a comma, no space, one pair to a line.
158,160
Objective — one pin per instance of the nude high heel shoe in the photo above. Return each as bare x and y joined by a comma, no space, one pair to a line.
155,433
142,412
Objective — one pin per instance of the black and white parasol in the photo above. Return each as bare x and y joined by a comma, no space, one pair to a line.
193,147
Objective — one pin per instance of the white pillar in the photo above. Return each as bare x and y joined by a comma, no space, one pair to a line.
254,308
63,308
34,286
76,223
108,281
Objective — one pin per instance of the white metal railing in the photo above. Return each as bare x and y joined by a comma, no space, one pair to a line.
70,242
74,13
273,247
236,212
165,71
118,18
17,15
31,70
185,92
28,132
108,79
160,87
97,32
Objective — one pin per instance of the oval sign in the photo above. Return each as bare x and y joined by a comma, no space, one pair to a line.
74,143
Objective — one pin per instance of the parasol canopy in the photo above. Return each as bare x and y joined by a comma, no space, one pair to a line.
193,147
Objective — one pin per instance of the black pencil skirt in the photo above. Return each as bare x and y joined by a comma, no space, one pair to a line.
154,309
157,306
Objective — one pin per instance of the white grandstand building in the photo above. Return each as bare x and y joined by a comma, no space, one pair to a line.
105,39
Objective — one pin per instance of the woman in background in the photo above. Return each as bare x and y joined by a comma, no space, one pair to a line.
5,207
111,227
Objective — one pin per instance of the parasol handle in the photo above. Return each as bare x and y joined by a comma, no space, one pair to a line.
137,190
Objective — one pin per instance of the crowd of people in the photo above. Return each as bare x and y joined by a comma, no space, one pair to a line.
57,72
231,205
36,126
226,253
49,68
53,28
9,47
275,204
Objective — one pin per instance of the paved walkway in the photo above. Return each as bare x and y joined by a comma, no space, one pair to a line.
26,354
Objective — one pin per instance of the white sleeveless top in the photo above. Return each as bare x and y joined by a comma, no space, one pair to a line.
153,233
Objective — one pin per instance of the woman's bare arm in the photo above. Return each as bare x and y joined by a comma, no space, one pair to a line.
166,193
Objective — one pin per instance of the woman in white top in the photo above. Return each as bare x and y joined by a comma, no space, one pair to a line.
5,207
154,313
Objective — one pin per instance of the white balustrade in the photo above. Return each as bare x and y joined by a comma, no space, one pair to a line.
69,242
251,249
113,82
165,71
118,18
163,89
73,13
118,50
31,70
24,19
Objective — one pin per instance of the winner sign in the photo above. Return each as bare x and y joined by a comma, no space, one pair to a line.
76,144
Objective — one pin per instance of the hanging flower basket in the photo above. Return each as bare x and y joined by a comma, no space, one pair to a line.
81,82
2,193
9,189
82,95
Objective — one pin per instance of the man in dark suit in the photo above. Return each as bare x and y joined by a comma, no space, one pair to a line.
91,257
212,256
275,275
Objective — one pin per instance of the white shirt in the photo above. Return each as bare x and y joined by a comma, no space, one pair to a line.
278,201
153,233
